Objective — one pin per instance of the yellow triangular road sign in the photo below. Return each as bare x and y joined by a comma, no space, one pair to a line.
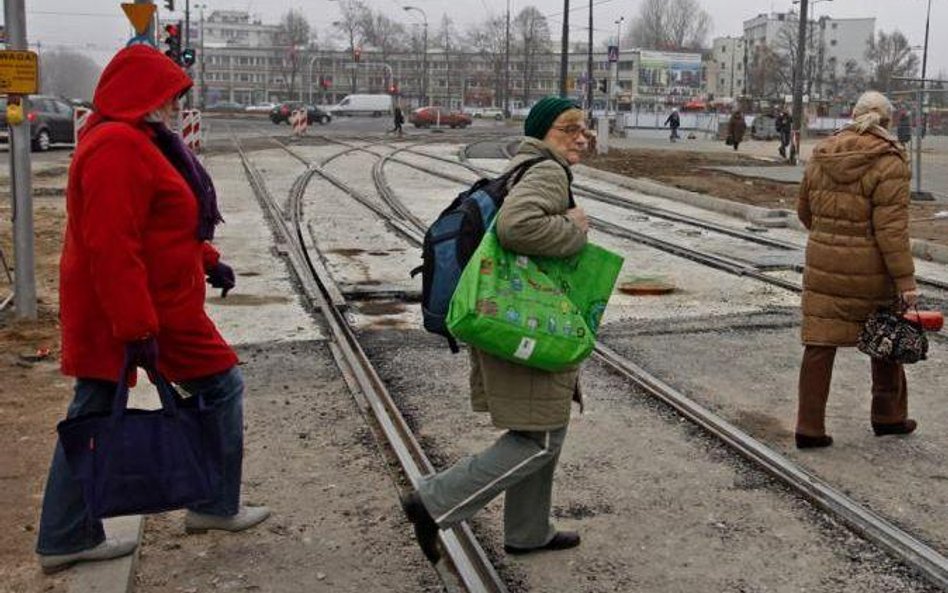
139,15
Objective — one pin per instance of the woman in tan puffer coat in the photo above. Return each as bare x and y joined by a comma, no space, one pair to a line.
854,200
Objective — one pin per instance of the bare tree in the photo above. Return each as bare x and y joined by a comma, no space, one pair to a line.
533,40
852,83
891,57
767,73
383,33
293,35
352,26
786,46
670,25
69,74
487,39
445,40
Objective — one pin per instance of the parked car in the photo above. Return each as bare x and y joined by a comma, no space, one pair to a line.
260,108
227,106
281,113
425,117
763,127
374,105
50,121
495,113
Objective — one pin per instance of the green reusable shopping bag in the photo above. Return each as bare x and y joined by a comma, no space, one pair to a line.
537,311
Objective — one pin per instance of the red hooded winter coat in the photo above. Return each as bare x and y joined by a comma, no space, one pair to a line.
132,265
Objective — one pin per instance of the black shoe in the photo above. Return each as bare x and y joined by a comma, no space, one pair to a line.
904,427
562,540
808,442
426,530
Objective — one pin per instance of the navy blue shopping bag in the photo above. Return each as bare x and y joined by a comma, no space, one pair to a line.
134,462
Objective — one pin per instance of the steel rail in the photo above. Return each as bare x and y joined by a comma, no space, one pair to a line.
464,564
929,562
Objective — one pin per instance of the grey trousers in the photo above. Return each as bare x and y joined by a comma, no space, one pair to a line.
519,463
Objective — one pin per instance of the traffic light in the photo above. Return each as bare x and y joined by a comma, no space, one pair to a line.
173,41
393,89
188,57
357,55
326,82
169,4
604,85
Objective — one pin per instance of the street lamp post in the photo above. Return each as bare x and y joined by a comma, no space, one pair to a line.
615,67
507,66
564,49
798,83
202,90
589,64
424,60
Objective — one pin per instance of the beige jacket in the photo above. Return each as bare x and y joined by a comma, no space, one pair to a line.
854,200
532,221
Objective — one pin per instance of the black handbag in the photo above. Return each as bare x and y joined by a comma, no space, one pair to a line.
133,461
889,336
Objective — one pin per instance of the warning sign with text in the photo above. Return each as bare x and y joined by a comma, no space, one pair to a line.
19,72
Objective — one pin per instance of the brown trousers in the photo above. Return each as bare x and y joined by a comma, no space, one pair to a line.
889,391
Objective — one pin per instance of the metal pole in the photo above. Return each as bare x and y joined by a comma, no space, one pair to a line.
24,287
187,43
798,83
925,64
919,123
202,98
589,65
564,49
150,32
507,66
311,62
424,65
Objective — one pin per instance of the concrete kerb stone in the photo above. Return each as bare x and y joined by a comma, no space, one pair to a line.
110,576
768,217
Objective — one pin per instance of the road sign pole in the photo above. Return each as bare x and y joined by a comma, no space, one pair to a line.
24,286
150,32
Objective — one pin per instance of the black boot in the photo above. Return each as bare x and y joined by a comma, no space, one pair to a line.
808,442
904,427
426,530
562,540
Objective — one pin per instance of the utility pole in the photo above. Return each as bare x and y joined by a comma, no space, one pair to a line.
798,83
507,66
564,49
924,112
590,85
187,43
24,287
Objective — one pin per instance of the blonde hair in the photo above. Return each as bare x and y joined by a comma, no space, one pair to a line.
871,110
571,116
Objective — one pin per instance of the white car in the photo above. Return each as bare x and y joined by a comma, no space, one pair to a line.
260,107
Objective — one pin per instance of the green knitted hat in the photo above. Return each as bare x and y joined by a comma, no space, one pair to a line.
544,113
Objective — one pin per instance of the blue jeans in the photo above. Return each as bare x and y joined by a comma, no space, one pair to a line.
65,524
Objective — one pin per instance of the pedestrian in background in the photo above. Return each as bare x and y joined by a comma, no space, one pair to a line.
854,200
141,212
783,123
673,121
538,218
399,119
736,126
904,127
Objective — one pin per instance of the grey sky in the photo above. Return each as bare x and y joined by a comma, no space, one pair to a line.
99,27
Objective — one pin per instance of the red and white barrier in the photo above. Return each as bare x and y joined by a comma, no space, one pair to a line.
191,129
300,121
80,116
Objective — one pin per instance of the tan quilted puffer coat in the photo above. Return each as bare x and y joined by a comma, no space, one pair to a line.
854,200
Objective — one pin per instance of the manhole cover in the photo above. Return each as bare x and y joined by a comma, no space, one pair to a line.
646,287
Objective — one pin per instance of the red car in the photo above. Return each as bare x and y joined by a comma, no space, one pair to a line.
425,117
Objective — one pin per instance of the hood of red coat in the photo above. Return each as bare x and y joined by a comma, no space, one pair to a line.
137,81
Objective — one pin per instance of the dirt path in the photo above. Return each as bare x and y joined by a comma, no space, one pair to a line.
33,397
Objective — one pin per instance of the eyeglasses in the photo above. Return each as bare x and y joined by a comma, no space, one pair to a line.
573,130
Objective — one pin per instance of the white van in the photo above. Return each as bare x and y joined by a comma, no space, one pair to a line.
374,105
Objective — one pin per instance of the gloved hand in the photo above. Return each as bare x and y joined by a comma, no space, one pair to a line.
220,275
143,353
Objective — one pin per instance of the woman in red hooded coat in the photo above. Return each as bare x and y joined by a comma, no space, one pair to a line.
141,213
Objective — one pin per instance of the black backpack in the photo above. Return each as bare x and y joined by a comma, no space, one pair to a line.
452,239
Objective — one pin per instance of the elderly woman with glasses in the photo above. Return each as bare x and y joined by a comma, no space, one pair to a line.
538,218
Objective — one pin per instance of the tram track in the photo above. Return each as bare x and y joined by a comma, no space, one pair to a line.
893,539
464,566
896,541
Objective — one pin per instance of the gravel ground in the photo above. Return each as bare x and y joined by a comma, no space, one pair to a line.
661,507
336,523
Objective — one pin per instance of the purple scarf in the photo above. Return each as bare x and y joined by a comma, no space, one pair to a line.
194,173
